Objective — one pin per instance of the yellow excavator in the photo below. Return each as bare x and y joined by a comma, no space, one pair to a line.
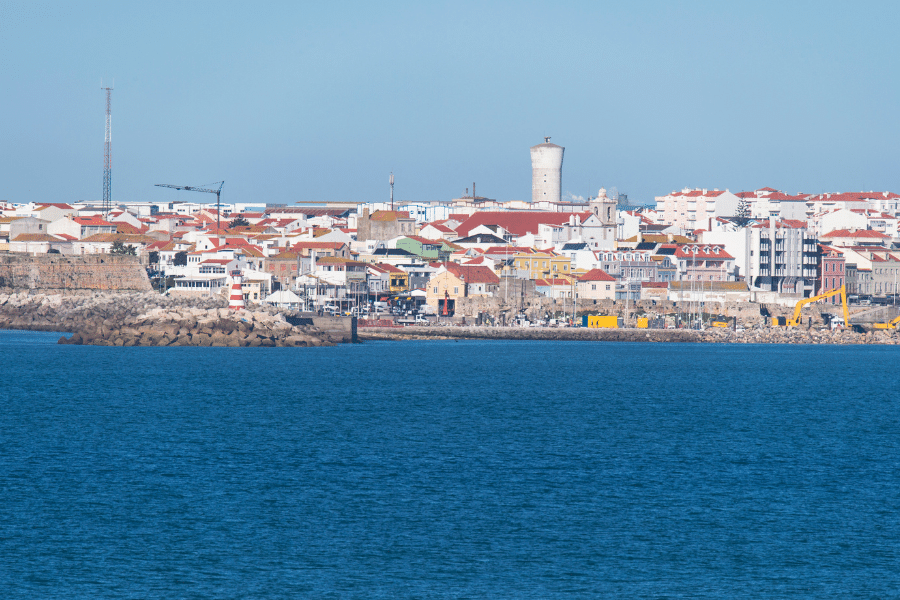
795,320
889,325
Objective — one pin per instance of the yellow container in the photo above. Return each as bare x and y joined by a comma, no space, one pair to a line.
603,322
643,323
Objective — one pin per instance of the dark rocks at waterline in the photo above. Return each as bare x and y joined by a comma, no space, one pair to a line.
146,319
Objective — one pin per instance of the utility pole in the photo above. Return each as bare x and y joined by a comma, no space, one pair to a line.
107,155
392,191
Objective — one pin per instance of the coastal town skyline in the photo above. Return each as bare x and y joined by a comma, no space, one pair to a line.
322,104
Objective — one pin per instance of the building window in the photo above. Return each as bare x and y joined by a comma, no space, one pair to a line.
435,290
456,290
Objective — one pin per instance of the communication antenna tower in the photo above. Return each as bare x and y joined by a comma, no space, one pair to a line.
392,192
107,155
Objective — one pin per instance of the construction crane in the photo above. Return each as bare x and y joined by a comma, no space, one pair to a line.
795,320
208,190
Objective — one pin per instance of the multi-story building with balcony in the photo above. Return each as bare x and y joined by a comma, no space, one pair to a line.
777,256
693,209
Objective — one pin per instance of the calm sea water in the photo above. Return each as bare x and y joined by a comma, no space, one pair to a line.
449,469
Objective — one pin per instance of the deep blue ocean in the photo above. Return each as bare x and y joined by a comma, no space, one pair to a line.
449,469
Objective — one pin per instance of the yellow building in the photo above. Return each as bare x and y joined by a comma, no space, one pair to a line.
542,264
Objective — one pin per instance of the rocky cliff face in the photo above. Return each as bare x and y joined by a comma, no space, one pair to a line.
62,273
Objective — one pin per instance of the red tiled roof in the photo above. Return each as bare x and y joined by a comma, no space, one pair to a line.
473,274
314,245
853,197
388,268
699,193
36,237
388,215
92,220
859,234
422,240
781,196
129,228
703,251
517,223
61,205
596,275
440,227
782,224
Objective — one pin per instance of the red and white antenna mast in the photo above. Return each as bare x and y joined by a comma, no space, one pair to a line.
107,155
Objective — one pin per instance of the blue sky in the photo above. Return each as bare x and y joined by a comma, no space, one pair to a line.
321,101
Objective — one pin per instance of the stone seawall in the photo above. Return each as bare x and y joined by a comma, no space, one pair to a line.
59,273
148,319
760,335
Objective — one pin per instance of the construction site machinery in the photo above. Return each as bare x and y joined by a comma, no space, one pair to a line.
892,324
795,320
208,190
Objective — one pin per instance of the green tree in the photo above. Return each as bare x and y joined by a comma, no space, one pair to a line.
239,222
180,259
742,214
153,257
119,248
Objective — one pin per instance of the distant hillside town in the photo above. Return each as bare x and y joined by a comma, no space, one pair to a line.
762,246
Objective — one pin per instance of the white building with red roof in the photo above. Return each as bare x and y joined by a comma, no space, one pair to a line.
841,218
855,237
703,262
692,209
595,285
768,202
452,282
438,230
881,201
545,229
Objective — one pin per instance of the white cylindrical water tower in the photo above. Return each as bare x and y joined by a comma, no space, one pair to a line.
546,172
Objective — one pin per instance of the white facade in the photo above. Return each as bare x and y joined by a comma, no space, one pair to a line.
693,209
788,266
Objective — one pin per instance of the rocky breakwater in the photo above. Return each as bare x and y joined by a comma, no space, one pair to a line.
142,319
760,335
800,335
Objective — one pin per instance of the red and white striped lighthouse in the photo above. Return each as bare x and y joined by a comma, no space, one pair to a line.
236,298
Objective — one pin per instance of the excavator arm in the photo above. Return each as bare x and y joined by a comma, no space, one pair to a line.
889,325
842,291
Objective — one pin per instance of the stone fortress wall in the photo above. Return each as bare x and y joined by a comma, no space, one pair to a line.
59,273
